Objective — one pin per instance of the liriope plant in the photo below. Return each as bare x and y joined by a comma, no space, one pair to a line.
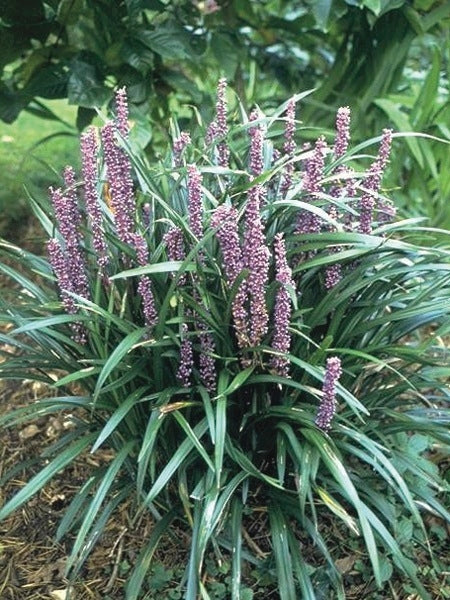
249,328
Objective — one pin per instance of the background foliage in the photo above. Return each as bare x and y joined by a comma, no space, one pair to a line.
161,50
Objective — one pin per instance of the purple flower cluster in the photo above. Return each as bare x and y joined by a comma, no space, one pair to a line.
283,308
89,151
226,219
327,407
289,147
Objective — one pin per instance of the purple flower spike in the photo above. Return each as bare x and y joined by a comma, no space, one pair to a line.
372,184
207,365
122,112
141,248
146,215
64,278
145,285
68,216
314,167
219,127
256,147
148,301
179,145
186,359
175,248
195,201
333,275
226,218
327,408
221,121
308,222
289,146
283,308
89,151
342,131
118,169
71,195
256,258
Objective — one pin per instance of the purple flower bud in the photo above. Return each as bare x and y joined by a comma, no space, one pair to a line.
283,308
186,359
89,151
195,201
289,146
226,219
342,131
327,407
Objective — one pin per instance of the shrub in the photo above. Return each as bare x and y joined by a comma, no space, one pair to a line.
248,329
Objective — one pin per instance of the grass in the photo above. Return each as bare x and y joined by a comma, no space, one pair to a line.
32,150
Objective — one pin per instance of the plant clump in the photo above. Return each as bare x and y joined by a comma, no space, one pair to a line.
243,323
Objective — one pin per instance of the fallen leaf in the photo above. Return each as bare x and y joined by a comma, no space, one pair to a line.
344,565
29,432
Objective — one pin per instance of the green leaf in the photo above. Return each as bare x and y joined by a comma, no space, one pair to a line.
321,10
170,40
118,415
107,480
86,85
171,266
125,346
281,551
